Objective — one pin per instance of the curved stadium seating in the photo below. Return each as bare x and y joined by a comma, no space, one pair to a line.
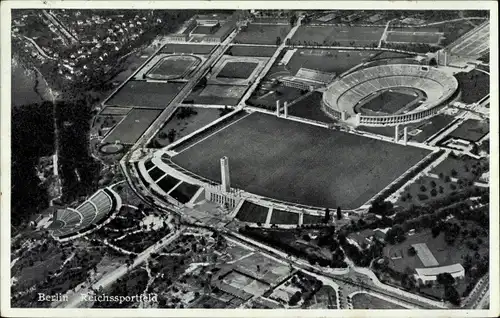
90,212
345,93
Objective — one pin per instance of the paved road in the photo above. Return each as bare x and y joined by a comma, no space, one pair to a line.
269,64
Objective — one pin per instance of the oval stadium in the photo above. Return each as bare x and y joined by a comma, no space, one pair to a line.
389,94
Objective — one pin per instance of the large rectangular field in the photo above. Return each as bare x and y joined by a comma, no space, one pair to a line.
338,35
187,48
253,50
388,102
471,129
310,108
413,37
300,163
145,94
331,61
133,126
237,70
262,33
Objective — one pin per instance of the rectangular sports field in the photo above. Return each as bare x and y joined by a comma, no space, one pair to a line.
145,94
412,37
344,35
172,66
471,129
300,163
244,50
332,61
262,33
310,108
389,102
133,126
237,70
188,48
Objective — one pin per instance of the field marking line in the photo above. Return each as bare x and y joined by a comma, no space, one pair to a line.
215,132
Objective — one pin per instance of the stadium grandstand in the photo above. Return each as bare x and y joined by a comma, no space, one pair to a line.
346,95
307,79
68,222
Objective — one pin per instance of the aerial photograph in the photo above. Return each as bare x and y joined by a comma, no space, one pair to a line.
250,159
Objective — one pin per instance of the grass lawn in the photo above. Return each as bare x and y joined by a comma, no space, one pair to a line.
156,173
145,94
310,108
167,183
184,192
133,126
430,127
250,212
332,61
323,297
262,33
237,70
344,35
259,51
410,37
471,129
366,301
268,100
419,197
115,111
389,55
173,66
187,48
185,126
284,217
462,165
388,102
216,95
474,85
311,219
300,163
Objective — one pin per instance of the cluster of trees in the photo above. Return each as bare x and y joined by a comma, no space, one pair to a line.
79,170
32,136
185,112
275,238
308,287
363,257
410,174
412,47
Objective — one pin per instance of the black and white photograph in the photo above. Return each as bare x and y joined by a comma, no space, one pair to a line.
305,158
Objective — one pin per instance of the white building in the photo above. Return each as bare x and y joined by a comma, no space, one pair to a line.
425,275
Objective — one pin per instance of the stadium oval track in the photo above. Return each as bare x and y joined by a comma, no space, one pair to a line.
344,94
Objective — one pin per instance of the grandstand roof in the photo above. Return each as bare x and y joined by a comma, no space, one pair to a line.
434,271
314,75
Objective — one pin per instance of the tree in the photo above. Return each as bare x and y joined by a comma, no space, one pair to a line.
412,251
433,192
445,279
326,219
171,135
423,188
293,20
451,295
454,172
339,213
278,40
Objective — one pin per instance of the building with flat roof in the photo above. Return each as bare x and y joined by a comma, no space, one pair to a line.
430,274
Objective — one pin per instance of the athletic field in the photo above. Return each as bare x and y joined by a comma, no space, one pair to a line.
173,66
300,163
133,126
262,33
145,94
387,102
241,70
343,35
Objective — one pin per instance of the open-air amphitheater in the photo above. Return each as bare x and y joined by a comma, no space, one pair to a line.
71,222
344,95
